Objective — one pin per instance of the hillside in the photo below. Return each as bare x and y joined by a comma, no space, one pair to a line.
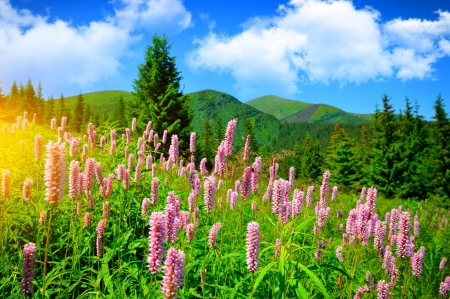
294,111
100,101
276,106
209,104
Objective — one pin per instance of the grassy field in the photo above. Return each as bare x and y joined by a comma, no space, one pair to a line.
288,257
276,106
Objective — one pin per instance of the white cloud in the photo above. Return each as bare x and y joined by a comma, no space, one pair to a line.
61,54
312,41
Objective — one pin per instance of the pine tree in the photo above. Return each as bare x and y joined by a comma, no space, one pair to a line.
249,131
14,97
297,159
207,145
79,114
120,113
30,103
312,160
441,130
157,94
3,100
88,115
384,173
50,109
40,110
62,108
22,98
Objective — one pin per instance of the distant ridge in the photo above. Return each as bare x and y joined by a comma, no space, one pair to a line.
295,111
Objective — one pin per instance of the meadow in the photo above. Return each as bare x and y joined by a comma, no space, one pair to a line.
107,214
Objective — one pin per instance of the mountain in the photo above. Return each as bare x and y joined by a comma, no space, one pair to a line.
294,111
210,104
100,101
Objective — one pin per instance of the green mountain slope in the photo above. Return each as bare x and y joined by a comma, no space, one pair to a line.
276,106
100,101
295,111
209,104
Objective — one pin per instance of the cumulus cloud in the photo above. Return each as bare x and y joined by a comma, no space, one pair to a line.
60,53
315,41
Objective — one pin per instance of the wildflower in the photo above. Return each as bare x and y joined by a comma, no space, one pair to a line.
38,148
339,254
190,232
89,172
6,183
309,196
42,217
87,220
334,193
128,135
247,148
145,204
252,246
99,244
55,172
209,194
213,234
220,164
29,259
229,135
157,235
277,248
416,262
403,236
383,290
133,124
192,142
105,210
444,287
246,183
416,225
173,151
361,290
173,273
380,234
233,200
27,189
442,263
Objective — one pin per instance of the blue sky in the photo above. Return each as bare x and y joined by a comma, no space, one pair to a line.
342,53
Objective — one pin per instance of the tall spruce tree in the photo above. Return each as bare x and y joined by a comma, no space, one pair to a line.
14,97
441,130
384,172
40,110
219,132
120,113
3,100
62,108
157,94
79,114
50,109
254,146
22,98
30,103
312,160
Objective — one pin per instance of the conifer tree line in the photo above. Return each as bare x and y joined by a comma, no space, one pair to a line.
402,154
28,98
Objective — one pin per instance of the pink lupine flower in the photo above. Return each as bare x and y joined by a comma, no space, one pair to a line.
173,273
361,290
190,232
87,220
55,173
42,217
173,151
209,185
28,266
277,196
84,153
344,239
351,222
112,136
246,183
145,204
387,258
213,234
191,201
112,149
309,196
148,162
130,162
383,290
254,206
6,183
339,254
254,182
137,173
154,194
277,248
133,124
93,139
105,210
416,225
363,194
89,172
156,239
247,148
38,148
403,236
291,176
90,200
170,214
128,135
53,124
220,160
147,129
444,287
176,229
99,244
74,146
101,226
252,246
98,173
380,234
126,179
416,262
442,263
164,139
233,200
334,193
102,142
237,185
203,166
192,143
27,189
229,135
371,201
153,170
324,189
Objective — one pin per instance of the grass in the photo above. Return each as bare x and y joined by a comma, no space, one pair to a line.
276,106
75,271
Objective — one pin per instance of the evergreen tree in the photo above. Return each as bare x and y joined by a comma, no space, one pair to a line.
441,130
345,165
88,115
254,146
297,159
207,145
3,100
158,96
30,103
22,98
40,110
219,132
50,110
312,160
384,173
62,108
14,97
79,114
120,113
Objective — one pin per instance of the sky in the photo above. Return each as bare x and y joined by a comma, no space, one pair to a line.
343,53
